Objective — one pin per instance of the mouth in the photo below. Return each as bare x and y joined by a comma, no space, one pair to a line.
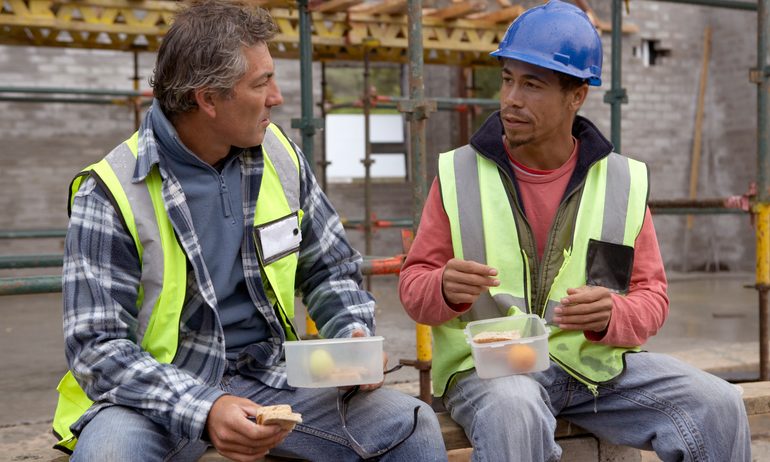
514,122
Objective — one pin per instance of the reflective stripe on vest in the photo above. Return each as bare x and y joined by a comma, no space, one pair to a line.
484,229
163,280
280,182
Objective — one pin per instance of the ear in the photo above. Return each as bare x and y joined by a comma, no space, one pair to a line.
578,97
204,98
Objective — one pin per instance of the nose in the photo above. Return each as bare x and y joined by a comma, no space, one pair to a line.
275,98
512,96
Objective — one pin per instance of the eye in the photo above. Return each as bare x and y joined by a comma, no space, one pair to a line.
531,84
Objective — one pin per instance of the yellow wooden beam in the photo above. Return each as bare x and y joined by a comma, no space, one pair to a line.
341,28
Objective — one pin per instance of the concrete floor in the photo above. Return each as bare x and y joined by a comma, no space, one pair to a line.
713,324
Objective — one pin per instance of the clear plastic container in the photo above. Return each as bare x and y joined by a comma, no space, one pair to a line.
334,362
528,353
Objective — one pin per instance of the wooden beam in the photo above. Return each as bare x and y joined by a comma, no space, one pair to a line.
334,6
504,15
277,3
384,7
457,10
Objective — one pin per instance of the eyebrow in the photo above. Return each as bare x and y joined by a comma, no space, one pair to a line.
526,76
263,76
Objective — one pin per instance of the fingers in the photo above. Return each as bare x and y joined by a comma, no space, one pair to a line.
584,308
469,268
463,281
234,435
236,448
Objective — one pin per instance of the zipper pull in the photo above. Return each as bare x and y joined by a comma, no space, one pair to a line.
594,391
224,193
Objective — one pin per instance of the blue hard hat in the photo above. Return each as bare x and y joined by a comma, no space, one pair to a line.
557,36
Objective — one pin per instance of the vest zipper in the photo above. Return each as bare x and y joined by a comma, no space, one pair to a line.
591,385
542,277
514,199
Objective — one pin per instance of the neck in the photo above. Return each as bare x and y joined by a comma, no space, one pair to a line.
548,155
199,139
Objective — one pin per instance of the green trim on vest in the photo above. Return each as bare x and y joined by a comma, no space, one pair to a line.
161,335
623,193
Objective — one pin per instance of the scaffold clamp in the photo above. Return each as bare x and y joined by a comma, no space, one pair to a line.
758,75
417,109
616,95
308,127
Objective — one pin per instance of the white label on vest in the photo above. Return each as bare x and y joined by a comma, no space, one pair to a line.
278,238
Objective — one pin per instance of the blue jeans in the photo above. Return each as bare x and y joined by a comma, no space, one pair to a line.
658,403
376,419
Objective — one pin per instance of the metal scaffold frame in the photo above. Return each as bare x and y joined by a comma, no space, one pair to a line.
340,30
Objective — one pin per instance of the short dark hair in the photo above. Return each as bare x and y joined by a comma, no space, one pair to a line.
568,82
203,48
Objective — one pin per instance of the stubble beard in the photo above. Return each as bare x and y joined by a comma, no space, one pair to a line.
516,142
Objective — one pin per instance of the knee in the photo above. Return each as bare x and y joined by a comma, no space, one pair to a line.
729,404
114,448
528,410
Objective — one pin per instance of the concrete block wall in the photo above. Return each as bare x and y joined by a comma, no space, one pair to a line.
658,123
43,145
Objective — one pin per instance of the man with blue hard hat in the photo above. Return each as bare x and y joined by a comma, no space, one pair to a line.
538,215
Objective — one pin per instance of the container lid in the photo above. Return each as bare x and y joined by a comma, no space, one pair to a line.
335,341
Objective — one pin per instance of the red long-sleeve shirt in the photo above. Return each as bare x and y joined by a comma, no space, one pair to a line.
635,317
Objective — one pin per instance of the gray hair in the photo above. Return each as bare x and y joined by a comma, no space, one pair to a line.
203,48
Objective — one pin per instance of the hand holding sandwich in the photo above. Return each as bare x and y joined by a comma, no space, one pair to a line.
235,436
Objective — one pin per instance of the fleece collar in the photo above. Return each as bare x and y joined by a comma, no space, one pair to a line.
488,141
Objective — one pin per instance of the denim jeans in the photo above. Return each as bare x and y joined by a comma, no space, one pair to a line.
376,419
658,403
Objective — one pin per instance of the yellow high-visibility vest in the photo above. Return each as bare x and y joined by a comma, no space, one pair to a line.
486,226
161,292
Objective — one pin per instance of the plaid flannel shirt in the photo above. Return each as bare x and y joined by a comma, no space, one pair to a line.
101,281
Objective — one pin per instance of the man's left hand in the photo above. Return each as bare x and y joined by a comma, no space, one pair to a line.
587,308
372,386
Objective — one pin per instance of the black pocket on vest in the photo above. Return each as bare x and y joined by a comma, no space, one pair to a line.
609,265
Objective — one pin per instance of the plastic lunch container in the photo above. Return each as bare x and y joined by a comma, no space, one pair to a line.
522,355
334,362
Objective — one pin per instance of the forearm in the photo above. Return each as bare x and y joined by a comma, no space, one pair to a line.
420,282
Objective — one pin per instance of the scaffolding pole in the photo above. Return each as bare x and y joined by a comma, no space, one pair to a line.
417,111
760,76
307,125
367,161
617,94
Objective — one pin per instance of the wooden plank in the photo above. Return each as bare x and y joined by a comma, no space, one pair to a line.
333,6
454,435
384,7
276,3
457,10
503,15
756,397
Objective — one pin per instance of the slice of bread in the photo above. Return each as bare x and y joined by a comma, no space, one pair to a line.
502,336
279,414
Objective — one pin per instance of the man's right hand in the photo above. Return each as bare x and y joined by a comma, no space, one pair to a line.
463,281
235,436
